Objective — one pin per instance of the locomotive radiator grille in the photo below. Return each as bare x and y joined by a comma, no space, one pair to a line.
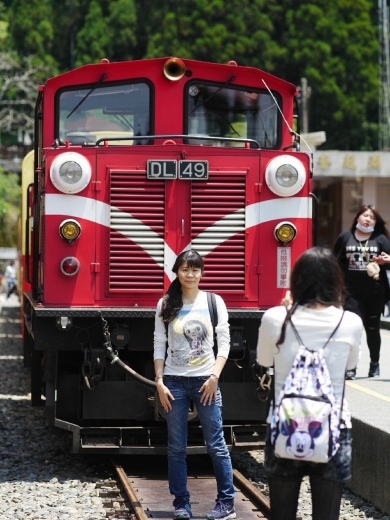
136,253
218,230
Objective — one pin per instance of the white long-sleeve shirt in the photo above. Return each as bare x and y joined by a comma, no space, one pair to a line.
190,338
314,327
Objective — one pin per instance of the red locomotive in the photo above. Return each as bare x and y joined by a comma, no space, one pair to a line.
133,163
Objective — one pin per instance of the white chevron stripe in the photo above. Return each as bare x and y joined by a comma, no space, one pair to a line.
278,209
74,206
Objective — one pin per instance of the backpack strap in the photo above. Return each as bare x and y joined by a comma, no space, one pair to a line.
212,304
330,337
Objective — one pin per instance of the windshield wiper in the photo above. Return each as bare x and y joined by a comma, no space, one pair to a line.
89,93
203,102
226,84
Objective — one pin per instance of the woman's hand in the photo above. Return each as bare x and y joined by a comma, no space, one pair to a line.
164,395
209,391
382,259
287,300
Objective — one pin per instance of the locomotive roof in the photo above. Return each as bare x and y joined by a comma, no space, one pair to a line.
152,69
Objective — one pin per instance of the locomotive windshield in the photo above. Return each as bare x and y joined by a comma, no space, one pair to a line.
88,114
224,111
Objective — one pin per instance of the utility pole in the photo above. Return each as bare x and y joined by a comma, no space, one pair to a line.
305,92
384,76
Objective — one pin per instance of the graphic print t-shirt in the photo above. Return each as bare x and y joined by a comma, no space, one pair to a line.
190,338
358,255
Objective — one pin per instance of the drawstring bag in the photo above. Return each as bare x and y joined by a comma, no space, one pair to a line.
305,423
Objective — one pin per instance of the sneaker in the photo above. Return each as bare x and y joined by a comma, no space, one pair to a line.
350,374
222,511
182,509
374,369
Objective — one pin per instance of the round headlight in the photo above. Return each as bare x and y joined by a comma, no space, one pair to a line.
70,265
285,175
70,230
70,172
285,232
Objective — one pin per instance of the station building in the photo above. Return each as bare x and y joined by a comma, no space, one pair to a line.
342,182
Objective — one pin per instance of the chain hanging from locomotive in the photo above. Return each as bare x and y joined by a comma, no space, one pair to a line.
133,163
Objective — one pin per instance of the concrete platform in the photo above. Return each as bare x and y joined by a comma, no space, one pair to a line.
369,402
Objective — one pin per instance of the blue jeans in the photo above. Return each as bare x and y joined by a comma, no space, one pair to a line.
185,389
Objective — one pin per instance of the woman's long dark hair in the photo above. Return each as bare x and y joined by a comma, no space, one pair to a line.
173,301
380,224
315,278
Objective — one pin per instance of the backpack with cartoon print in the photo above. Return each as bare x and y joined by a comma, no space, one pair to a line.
305,423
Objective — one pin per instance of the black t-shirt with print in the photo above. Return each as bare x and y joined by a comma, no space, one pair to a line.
354,255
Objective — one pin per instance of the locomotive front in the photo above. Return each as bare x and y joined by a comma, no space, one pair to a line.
135,162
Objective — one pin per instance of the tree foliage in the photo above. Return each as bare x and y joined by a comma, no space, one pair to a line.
214,30
108,31
332,44
31,29
18,91
9,208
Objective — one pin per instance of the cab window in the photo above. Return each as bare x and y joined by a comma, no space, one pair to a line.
231,112
87,114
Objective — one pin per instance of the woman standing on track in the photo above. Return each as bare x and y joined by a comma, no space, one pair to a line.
190,371
317,293
363,253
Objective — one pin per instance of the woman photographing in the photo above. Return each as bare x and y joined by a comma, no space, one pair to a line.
315,311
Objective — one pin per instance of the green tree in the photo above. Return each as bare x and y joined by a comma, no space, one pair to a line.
334,45
93,39
214,31
31,29
123,21
9,208
108,32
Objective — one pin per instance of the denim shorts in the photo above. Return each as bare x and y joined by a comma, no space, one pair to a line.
337,469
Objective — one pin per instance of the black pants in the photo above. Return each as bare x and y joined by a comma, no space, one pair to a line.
369,307
326,498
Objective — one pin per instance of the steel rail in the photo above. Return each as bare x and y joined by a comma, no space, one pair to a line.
254,494
137,507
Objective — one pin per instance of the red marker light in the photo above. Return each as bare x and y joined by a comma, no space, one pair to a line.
70,265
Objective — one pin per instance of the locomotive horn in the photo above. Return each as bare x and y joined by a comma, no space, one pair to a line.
174,69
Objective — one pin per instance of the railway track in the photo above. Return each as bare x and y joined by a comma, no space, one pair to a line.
140,491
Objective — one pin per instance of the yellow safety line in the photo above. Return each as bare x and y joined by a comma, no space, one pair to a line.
368,391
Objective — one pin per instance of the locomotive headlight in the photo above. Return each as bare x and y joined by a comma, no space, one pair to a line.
285,232
70,172
285,175
70,230
69,265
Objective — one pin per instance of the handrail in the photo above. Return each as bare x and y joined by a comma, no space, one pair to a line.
314,218
27,237
177,136
35,289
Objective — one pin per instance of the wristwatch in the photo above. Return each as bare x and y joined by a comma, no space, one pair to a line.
158,377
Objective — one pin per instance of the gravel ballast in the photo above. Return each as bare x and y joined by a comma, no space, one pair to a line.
39,477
